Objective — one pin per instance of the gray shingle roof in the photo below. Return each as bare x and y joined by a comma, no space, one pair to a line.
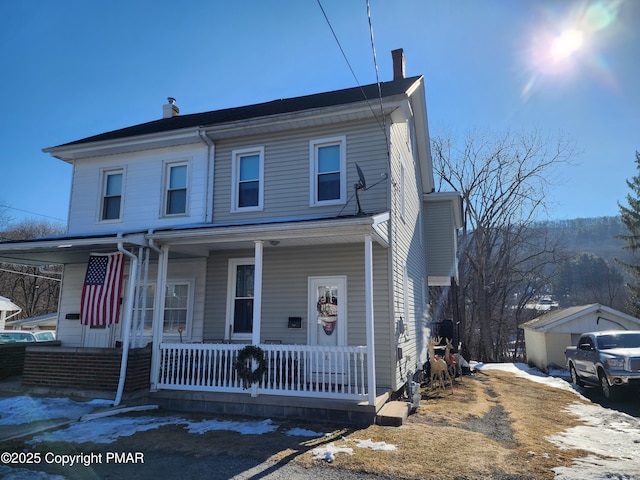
556,316
275,107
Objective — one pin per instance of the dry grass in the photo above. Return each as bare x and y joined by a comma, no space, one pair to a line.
493,426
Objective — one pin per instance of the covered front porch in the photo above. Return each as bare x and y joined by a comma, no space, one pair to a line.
290,370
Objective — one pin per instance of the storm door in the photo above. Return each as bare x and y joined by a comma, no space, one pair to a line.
327,325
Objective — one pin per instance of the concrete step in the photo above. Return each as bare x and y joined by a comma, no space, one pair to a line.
393,414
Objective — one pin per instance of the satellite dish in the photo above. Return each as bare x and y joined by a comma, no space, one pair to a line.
362,185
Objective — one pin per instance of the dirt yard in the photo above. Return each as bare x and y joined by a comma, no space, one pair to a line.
493,426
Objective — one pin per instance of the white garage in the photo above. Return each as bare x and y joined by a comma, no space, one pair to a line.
547,336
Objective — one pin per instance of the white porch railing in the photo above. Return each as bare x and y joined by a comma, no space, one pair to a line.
292,370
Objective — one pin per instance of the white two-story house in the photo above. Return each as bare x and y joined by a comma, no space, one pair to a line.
306,227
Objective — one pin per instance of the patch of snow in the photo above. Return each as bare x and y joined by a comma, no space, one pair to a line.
245,428
328,452
605,432
104,430
522,370
25,409
374,445
8,473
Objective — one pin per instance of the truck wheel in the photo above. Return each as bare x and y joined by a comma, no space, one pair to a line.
574,376
609,392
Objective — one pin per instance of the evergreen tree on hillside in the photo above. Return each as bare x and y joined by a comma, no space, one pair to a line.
630,216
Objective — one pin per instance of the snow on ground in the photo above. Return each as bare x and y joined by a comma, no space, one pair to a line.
25,409
605,432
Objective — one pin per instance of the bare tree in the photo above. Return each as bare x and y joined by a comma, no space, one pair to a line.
503,179
31,288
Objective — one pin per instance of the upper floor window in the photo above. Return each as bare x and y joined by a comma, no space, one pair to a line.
328,171
176,191
112,195
247,178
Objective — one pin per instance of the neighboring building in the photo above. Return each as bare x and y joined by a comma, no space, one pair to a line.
302,226
41,322
547,336
6,307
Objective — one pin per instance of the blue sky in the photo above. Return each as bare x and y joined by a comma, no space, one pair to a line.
72,68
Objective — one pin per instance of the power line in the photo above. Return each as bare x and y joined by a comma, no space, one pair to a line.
344,55
31,213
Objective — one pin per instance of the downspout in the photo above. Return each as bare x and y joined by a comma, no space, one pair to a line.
133,271
208,215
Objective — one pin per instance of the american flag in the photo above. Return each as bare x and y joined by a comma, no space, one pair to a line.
100,302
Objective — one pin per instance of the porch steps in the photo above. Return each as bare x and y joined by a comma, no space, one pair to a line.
393,414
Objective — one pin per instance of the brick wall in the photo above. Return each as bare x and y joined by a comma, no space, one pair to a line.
12,356
86,368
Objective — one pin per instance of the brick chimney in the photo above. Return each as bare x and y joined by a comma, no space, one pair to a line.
398,63
170,109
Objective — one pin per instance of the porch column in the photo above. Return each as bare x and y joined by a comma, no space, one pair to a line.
158,314
368,301
257,293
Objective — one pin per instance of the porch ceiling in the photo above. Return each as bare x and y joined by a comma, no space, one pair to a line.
65,249
199,240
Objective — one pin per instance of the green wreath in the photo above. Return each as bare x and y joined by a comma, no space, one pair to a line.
245,370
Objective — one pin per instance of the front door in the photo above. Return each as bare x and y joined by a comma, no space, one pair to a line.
98,335
327,323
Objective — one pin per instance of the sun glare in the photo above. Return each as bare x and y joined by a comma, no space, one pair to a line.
566,44
571,42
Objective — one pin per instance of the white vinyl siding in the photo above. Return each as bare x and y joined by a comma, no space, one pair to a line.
409,262
180,271
144,190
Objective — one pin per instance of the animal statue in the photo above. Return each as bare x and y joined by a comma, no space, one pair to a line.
438,366
452,361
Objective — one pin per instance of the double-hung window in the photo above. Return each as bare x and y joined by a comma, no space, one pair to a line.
176,191
177,309
328,171
112,195
247,179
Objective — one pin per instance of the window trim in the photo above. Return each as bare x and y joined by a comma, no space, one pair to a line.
229,335
167,179
186,335
236,156
313,170
105,174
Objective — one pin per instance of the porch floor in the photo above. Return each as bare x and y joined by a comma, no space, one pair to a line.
267,406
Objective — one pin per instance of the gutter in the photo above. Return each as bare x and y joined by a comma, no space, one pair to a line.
211,148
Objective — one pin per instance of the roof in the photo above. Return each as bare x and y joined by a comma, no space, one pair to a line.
558,317
288,105
197,238
7,305
47,320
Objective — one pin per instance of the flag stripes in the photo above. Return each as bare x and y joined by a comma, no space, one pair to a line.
100,301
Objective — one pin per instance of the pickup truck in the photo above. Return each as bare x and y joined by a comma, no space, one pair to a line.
608,359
